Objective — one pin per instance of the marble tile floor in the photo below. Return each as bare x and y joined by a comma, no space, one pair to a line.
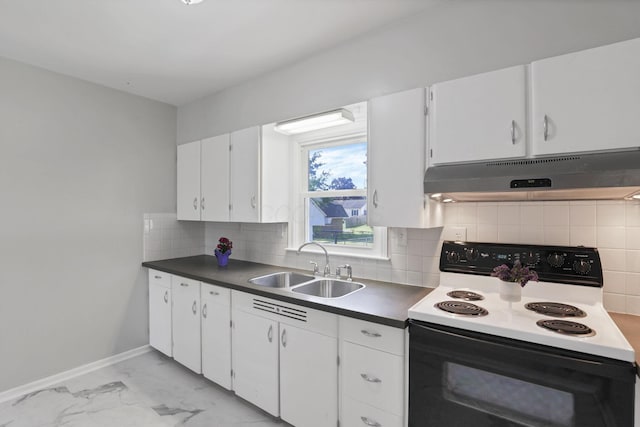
150,390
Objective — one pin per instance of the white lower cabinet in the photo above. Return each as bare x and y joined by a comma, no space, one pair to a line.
373,376
293,349
216,334
255,360
186,322
160,311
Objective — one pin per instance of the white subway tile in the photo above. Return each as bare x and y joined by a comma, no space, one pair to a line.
632,285
487,233
615,302
531,215
632,214
508,233
467,212
414,263
533,235
633,261
582,215
399,276
557,235
508,215
614,282
611,237
556,215
414,278
632,235
608,214
487,214
613,259
585,236
633,305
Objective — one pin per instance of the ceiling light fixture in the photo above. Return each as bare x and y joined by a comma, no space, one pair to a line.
315,122
190,2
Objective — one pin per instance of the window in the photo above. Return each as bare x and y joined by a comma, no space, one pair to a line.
332,193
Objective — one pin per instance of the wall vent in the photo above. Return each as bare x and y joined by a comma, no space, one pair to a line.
534,161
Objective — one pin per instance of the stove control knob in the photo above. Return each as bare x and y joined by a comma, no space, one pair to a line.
472,254
529,258
581,266
555,259
453,257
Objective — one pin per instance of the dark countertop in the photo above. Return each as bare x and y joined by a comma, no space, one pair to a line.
379,302
630,327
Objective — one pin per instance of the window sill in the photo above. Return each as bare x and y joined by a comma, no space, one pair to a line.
333,252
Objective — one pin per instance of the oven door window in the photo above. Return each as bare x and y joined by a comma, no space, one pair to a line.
508,398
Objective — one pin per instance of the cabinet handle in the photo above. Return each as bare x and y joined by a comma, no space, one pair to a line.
283,338
214,293
184,284
513,132
204,311
369,422
193,308
370,334
157,277
166,297
270,334
202,203
253,202
545,127
370,379
195,204
375,198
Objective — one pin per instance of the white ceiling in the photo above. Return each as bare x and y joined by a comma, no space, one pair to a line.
164,50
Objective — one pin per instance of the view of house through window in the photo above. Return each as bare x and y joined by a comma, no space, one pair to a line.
336,194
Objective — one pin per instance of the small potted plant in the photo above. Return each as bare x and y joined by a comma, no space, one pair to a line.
511,277
223,250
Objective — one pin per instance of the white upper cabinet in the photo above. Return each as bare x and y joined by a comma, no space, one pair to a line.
587,101
396,161
188,198
214,178
259,175
203,180
481,117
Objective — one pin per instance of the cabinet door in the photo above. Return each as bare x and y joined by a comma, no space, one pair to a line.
308,377
245,175
588,100
479,117
255,360
160,317
396,138
216,335
214,180
186,322
188,169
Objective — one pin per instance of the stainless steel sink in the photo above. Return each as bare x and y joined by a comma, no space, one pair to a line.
284,279
328,288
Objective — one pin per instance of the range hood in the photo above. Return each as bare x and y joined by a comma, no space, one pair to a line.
600,176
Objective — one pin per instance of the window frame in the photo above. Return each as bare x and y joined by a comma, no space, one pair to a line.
300,195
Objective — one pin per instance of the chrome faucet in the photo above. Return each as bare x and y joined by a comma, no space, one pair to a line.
327,268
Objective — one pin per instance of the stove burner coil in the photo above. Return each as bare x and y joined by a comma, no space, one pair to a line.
555,309
462,308
567,327
465,295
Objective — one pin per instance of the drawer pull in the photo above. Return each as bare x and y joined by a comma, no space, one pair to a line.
370,334
369,422
158,277
204,311
370,379
166,297
214,293
193,308
184,284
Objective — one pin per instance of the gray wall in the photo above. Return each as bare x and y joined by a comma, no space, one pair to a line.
450,40
79,165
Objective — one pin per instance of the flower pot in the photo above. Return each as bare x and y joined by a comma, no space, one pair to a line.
223,258
510,291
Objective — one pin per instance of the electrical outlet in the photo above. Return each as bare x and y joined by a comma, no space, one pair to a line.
402,237
458,234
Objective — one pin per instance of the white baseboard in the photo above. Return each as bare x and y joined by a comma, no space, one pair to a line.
19,391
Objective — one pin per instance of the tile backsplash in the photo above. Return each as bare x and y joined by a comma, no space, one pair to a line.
611,226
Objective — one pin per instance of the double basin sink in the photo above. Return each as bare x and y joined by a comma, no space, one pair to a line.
307,284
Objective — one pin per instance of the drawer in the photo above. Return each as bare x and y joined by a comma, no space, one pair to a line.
178,282
215,294
159,278
374,377
358,414
374,335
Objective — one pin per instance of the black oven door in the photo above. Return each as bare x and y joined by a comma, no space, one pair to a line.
463,378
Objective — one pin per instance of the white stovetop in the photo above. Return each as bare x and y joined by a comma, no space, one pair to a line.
513,320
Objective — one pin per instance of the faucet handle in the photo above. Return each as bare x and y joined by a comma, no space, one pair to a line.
315,267
349,272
